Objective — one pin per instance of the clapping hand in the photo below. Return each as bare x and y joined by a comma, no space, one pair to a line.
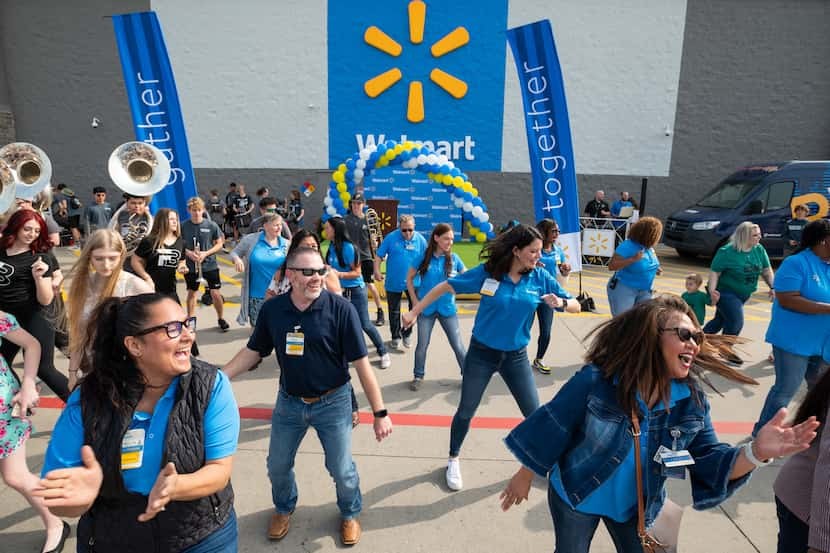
780,439
162,492
72,487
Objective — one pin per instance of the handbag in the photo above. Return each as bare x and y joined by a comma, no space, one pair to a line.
666,528
586,302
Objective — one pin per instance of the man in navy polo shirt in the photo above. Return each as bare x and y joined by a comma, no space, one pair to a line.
316,335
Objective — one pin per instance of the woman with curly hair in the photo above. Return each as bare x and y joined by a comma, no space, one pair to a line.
635,265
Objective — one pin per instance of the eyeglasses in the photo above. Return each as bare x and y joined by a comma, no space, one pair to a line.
554,231
407,230
309,272
685,334
173,328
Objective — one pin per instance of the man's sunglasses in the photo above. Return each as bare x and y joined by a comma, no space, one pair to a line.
173,328
309,272
685,334
407,230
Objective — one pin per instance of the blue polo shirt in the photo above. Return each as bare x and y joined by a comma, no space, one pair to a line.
504,319
616,498
552,259
221,430
350,258
263,262
801,333
332,338
435,275
399,254
639,275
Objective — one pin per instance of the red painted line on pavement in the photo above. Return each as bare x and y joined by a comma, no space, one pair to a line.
435,421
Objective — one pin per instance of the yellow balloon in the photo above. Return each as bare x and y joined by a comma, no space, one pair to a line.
474,192
458,181
390,154
342,168
446,179
408,144
398,149
341,187
468,187
345,196
338,177
481,237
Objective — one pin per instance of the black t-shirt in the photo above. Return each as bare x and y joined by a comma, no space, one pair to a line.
17,284
230,201
242,204
161,263
595,207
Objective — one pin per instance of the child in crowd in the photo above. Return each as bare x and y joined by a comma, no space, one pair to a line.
792,232
696,299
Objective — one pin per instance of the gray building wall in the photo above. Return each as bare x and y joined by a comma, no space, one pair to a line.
754,86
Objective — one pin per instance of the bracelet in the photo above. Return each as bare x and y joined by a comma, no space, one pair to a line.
750,456
381,414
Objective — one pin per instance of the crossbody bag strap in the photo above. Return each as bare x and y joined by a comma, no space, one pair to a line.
650,544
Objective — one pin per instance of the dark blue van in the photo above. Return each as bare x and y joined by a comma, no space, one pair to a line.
763,193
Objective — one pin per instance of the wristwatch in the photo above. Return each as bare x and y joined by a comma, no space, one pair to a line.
750,456
380,414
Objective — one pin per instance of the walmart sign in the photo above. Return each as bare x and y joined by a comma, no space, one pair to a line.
415,70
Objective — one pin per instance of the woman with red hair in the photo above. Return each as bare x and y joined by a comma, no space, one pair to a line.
27,268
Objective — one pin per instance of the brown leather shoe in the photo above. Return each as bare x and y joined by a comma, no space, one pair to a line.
278,527
350,531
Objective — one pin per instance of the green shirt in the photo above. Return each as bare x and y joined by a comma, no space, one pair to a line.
739,271
698,302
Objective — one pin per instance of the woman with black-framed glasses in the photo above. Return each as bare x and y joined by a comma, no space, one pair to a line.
143,403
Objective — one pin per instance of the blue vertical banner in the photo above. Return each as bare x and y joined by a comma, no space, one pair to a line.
154,103
548,132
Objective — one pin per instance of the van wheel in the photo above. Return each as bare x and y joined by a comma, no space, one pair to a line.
686,254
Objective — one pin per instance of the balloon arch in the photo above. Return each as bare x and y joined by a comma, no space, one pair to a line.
411,155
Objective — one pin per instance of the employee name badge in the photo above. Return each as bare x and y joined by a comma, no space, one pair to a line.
410,247
295,343
489,287
132,449
674,463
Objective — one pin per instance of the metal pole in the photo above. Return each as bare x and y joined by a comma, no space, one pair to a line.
643,187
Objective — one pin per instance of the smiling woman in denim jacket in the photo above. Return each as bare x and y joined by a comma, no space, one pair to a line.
582,443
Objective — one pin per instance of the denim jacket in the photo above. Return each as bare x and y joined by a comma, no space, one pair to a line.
585,432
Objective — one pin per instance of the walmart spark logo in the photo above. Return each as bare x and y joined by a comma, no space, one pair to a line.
454,40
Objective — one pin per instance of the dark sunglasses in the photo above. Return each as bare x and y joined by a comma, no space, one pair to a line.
173,328
309,272
407,230
685,334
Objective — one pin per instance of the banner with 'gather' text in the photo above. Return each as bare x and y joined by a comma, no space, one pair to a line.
548,132
154,103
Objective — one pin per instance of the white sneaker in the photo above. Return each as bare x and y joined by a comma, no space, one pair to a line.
385,361
407,341
454,481
395,344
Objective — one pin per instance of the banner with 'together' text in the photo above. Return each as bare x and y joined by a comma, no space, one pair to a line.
154,103
548,132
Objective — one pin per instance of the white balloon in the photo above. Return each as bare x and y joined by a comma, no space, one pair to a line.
458,202
477,212
422,159
484,217
372,148
331,210
327,201
361,163
358,175
432,159
451,165
443,160
364,154
467,206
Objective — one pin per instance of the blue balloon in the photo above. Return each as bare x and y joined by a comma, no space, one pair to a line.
491,235
390,144
405,155
455,171
350,164
349,175
381,150
338,203
468,197
486,227
426,151
477,201
325,217
457,192
445,169
373,157
465,177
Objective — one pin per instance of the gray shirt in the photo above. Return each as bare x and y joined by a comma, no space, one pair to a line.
97,215
359,233
204,234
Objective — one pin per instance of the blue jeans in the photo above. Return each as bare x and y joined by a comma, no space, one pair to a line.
790,370
331,417
360,300
574,531
480,364
623,297
545,315
729,315
793,533
224,540
254,305
393,300
451,329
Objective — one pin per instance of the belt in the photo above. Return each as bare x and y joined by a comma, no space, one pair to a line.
310,400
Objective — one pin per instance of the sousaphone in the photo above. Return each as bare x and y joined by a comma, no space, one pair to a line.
25,170
138,168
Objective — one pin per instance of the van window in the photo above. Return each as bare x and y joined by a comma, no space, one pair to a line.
731,191
780,194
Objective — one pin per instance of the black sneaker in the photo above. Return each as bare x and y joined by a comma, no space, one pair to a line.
541,367
380,320
223,325
207,299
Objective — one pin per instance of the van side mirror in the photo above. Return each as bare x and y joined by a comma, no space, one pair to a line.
755,207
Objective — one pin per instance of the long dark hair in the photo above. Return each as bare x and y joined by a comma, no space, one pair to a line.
19,218
627,348
545,226
112,384
341,236
296,240
439,230
816,402
499,252
813,233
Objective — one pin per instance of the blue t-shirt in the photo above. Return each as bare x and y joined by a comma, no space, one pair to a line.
504,319
801,333
435,275
221,430
263,261
350,259
552,259
399,254
639,275
616,498
617,206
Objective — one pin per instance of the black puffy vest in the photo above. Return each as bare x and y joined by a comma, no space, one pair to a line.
111,524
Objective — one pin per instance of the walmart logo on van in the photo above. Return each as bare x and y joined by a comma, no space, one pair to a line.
421,70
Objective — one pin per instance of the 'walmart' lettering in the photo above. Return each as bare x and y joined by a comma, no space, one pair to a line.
451,149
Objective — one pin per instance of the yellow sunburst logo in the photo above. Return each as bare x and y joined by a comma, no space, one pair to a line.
453,40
